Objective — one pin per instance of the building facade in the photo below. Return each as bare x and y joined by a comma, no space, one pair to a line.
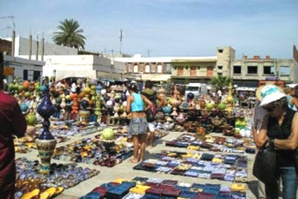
61,62
244,72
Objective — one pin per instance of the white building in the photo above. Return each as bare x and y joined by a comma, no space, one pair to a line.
62,62
24,69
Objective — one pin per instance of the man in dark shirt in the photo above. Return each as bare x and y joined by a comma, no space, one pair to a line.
12,122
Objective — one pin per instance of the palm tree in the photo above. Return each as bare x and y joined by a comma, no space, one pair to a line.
218,82
70,34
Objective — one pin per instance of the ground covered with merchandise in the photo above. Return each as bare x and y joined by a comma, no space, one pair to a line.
167,171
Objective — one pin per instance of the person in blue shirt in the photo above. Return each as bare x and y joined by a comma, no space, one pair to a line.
138,123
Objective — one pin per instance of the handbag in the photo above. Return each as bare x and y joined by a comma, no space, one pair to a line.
150,114
264,167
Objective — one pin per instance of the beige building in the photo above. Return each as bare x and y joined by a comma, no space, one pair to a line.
244,72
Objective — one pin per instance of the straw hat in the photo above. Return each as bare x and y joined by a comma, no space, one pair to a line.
271,93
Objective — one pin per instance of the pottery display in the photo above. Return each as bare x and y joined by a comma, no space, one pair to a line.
46,142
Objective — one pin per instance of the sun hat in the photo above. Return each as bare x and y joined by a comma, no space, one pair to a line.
271,93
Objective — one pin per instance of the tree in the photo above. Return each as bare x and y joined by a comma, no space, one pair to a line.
70,34
220,81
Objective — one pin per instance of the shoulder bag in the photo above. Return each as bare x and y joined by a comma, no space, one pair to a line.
264,167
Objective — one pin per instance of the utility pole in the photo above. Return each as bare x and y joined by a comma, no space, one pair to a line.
120,37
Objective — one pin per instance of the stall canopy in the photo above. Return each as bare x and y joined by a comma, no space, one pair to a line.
62,74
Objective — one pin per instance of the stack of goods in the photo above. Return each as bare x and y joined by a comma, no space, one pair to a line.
93,151
201,165
31,184
214,143
150,188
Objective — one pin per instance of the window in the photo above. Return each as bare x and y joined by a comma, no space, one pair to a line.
199,67
159,68
219,67
147,68
193,71
25,74
252,70
129,68
268,70
36,75
180,71
135,69
237,69
153,69
285,70
219,74
186,68
220,50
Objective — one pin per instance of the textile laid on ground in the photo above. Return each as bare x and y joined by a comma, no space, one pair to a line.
213,143
201,165
143,188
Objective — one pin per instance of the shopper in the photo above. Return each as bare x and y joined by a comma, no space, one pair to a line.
138,124
258,114
280,128
151,95
12,122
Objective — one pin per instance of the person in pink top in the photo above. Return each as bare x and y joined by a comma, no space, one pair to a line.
12,122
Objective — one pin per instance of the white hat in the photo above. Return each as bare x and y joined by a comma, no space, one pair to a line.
271,93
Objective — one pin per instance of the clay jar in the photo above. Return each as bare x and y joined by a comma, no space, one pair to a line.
200,133
202,104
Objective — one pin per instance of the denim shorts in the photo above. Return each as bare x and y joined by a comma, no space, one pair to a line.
138,125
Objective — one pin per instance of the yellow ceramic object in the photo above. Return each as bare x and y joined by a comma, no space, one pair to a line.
59,190
44,195
196,148
172,154
188,155
217,160
31,194
238,187
139,189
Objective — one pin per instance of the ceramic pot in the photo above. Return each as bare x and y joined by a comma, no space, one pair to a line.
202,104
45,149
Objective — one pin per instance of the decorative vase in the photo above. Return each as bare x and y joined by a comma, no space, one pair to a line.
46,142
200,133
202,104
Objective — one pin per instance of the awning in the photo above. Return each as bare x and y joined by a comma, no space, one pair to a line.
155,77
62,74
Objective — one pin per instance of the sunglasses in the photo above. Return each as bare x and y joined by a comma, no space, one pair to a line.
269,108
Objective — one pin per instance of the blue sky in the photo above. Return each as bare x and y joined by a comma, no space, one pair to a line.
164,27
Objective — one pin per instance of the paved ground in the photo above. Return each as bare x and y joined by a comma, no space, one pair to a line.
125,170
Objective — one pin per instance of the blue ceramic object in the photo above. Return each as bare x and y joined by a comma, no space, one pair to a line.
46,110
190,96
167,109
